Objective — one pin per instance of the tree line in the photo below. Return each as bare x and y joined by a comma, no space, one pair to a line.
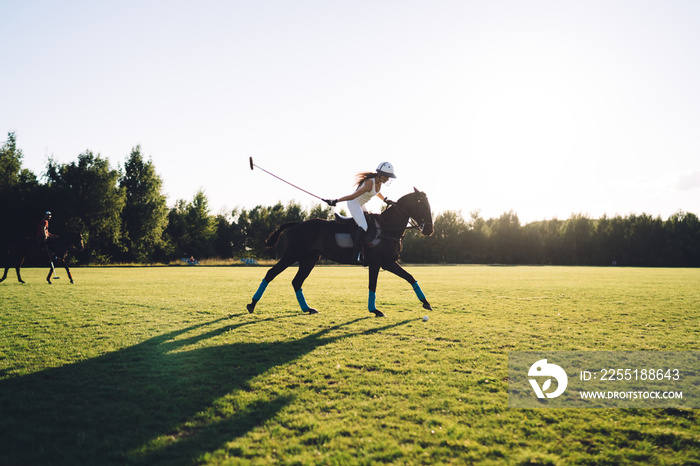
633,240
124,218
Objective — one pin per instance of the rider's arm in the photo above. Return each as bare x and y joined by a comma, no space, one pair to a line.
366,186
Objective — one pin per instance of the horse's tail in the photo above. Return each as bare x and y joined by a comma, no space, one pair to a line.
275,235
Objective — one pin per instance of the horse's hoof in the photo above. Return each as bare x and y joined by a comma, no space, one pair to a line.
311,310
250,307
378,313
72,282
21,281
426,305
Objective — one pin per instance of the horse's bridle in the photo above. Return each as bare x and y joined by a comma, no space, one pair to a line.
414,223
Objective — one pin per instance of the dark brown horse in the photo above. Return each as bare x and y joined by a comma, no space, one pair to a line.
306,242
58,247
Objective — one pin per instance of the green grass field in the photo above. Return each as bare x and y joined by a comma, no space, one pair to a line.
165,366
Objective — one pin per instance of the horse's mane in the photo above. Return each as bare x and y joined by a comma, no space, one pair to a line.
413,193
406,196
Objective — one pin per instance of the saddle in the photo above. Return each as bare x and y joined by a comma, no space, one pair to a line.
344,238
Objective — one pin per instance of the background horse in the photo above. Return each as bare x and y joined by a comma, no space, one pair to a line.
308,241
59,248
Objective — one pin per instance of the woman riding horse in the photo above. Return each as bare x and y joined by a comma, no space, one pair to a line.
368,185
307,241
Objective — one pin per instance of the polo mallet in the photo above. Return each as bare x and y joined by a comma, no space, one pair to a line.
55,275
250,159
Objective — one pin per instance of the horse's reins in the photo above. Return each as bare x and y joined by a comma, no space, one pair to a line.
414,224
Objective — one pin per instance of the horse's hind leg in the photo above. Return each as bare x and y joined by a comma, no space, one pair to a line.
17,267
4,276
306,265
276,269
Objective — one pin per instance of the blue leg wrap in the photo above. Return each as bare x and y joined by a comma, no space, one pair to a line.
371,302
418,291
261,289
302,301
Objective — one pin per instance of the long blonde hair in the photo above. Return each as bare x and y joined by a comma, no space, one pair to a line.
364,176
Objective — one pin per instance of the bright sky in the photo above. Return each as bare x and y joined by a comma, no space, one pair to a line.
547,108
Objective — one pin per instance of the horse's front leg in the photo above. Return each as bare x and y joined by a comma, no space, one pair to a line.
51,272
371,301
70,277
61,261
397,270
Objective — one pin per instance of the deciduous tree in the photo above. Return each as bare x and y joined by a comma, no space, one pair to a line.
145,213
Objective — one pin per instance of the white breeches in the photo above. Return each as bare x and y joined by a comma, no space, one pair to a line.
357,211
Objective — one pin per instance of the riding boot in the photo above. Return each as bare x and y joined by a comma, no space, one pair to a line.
358,242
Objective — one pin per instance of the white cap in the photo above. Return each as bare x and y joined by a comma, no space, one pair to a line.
386,169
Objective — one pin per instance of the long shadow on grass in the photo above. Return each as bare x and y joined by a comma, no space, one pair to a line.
143,404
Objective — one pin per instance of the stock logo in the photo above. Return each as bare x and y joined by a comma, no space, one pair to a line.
543,369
